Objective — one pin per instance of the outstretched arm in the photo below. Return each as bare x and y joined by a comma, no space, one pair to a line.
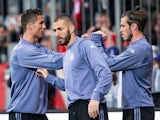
129,59
35,58
55,81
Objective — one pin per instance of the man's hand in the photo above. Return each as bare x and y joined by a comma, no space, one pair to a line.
101,32
93,108
86,36
42,72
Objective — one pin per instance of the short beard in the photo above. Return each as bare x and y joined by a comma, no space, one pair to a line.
67,39
129,37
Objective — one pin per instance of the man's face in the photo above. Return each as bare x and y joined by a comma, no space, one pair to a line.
158,62
125,29
2,34
38,27
62,32
104,21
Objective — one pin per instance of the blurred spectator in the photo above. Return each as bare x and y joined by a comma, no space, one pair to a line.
157,30
47,42
153,33
19,26
103,23
97,25
3,43
47,15
110,41
47,39
156,81
12,27
112,96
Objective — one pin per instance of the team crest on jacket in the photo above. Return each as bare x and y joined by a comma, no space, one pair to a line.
71,56
132,51
92,46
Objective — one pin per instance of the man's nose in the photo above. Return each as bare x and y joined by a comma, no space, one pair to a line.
120,29
44,26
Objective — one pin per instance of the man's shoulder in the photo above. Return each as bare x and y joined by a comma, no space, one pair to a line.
23,49
141,46
85,42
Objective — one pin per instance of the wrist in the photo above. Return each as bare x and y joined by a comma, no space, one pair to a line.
96,37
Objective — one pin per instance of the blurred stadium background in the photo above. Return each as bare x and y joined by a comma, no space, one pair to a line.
84,13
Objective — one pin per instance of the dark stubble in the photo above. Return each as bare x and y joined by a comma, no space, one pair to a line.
130,36
66,39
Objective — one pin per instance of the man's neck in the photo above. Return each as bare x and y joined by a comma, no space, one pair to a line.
137,36
28,37
73,38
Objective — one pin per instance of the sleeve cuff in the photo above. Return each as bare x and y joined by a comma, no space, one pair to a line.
96,96
51,79
96,38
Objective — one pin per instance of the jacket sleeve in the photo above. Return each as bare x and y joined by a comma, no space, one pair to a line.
55,81
95,60
129,59
33,57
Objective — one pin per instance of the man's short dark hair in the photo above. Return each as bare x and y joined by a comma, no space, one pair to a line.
30,15
64,17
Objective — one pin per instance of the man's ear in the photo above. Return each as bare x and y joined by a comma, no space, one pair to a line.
134,26
71,28
29,26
